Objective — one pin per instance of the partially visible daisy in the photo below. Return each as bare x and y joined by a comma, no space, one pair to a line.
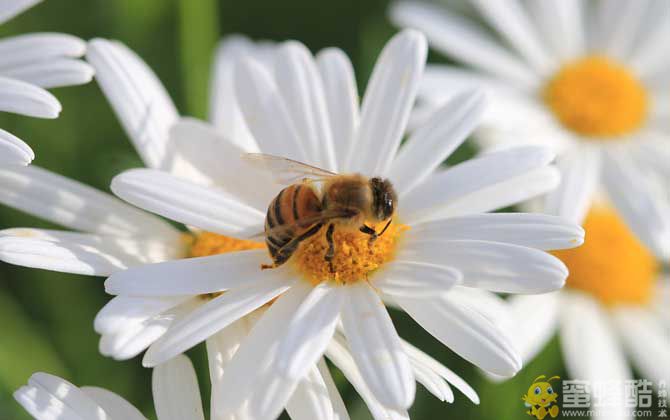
29,63
306,108
590,79
110,236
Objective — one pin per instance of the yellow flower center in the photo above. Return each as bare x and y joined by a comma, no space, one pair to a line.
596,97
355,258
612,265
206,243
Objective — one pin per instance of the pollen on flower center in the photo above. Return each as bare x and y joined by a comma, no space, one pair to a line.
597,97
612,265
355,257
207,243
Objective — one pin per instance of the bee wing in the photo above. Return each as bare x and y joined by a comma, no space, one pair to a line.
286,171
308,222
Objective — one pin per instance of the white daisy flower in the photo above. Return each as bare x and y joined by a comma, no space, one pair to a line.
28,64
590,79
111,236
430,265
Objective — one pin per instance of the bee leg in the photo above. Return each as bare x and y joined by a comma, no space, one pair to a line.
330,254
368,230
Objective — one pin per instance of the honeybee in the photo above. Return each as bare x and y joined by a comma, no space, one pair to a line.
301,210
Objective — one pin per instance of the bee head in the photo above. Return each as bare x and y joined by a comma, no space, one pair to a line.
384,198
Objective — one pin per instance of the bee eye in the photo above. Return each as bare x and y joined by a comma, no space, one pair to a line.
550,391
537,390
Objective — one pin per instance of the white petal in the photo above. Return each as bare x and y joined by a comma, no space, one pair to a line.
531,230
13,151
415,279
618,34
646,212
115,406
51,73
66,202
80,253
419,357
463,40
650,57
138,98
435,140
251,378
207,208
12,8
494,266
339,83
214,316
339,353
376,347
646,340
388,100
224,112
512,22
310,329
562,24
265,113
488,304
122,311
301,87
202,149
35,47
176,392
481,184
191,276
339,409
464,331
583,320
23,98
310,399
48,397
580,175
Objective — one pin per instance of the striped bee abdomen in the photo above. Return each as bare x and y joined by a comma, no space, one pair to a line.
292,205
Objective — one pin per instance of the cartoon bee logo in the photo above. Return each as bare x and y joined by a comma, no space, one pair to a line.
541,398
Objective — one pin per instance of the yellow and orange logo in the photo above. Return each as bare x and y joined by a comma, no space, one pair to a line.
541,399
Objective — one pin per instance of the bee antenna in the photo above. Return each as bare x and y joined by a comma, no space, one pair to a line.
385,227
538,378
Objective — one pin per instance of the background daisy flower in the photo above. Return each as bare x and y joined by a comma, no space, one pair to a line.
28,64
288,110
590,79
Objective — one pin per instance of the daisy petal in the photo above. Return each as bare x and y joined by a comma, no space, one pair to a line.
494,266
645,212
463,40
224,112
646,340
221,347
35,47
618,32
416,279
435,140
310,399
650,57
376,347
207,208
465,332
138,98
482,184
265,113
13,151
213,316
48,397
512,22
562,24
176,392
12,8
115,406
340,355
191,276
388,100
531,230
53,73
580,175
68,203
339,409
23,98
309,330
126,310
339,83
300,85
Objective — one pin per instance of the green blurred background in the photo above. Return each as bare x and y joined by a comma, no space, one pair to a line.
46,318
